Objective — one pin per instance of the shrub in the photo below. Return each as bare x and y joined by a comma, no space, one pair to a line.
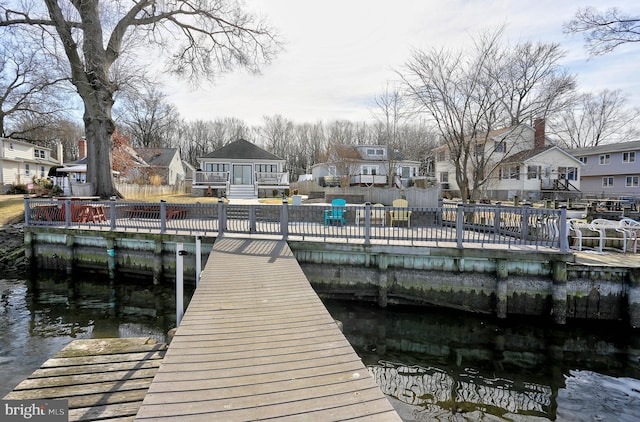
17,189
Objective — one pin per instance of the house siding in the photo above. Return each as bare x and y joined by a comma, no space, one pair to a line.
613,167
16,156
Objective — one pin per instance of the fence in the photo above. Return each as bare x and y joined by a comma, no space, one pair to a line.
449,225
131,190
418,197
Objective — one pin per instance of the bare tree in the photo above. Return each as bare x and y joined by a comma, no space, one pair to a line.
391,112
29,89
201,37
278,135
455,92
604,31
594,119
467,95
530,81
148,119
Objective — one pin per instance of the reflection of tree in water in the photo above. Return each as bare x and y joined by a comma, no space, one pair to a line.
466,392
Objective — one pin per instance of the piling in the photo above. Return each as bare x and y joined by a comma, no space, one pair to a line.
502,274
634,297
559,292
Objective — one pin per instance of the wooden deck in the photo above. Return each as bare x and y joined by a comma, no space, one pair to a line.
256,343
102,379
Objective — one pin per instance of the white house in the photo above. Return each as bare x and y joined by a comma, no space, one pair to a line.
518,160
240,170
164,163
22,162
364,165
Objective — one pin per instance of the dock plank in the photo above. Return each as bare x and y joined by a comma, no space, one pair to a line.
258,344
101,379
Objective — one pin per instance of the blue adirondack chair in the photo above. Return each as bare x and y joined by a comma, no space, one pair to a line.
336,213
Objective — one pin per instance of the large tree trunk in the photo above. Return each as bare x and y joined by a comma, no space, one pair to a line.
99,128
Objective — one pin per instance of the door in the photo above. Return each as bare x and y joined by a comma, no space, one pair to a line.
242,174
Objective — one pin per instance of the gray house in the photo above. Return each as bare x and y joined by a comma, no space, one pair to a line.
240,170
610,170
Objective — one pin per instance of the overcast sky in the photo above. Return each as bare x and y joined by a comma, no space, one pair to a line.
339,54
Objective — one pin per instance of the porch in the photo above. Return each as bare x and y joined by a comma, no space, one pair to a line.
242,183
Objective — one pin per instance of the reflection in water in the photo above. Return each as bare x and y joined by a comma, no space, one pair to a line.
442,365
40,316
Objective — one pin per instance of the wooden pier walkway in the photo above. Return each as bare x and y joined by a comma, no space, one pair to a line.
256,343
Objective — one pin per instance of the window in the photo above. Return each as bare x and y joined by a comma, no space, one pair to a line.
39,153
10,146
629,157
607,182
370,151
568,173
42,172
216,167
444,177
373,170
266,168
379,152
501,146
605,159
479,149
26,169
631,181
583,160
441,156
510,172
533,172
373,151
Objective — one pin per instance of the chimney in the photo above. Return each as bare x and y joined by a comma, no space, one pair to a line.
82,148
538,140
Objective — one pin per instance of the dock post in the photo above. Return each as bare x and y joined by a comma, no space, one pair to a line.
157,262
559,292
633,297
27,213
179,283
502,273
111,258
198,257
163,216
383,280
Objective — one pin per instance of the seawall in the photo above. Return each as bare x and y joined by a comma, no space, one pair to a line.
492,281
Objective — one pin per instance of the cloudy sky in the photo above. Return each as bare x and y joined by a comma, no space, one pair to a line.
340,54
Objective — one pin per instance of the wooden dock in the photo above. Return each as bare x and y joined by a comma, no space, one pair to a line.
102,379
256,343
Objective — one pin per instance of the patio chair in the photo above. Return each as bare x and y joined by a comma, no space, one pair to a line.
336,213
376,216
398,214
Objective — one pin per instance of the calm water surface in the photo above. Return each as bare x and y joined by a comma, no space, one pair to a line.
452,366
432,364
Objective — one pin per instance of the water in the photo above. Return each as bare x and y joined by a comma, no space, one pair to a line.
451,366
432,364
40,316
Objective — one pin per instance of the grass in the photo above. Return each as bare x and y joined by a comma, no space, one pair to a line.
11,211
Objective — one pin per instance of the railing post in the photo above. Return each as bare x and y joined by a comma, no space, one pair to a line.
198,257
564,240
179,283
112,213
367,223
496,218
67,212
27,210
163,216
222,218
524,222
252,219
459,225
284,218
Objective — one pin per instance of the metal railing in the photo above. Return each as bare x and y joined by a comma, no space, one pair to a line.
452,225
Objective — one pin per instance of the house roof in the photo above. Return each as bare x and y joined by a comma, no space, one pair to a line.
157,157
523,156
242,150
600,149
